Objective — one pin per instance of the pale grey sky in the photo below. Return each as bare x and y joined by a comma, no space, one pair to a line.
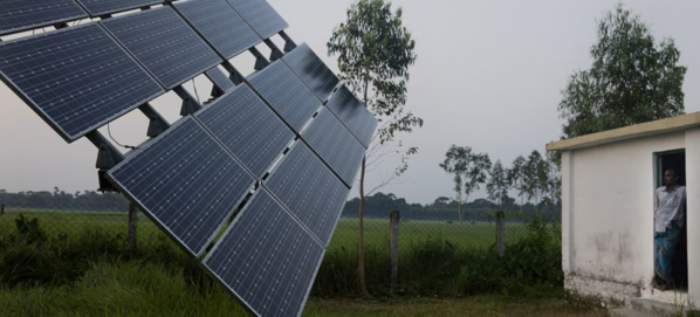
489,75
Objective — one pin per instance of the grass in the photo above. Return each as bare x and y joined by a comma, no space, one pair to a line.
80,268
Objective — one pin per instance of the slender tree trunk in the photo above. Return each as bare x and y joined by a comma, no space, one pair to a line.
361,276
459,211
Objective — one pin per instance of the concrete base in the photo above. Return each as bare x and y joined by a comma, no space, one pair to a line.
643,307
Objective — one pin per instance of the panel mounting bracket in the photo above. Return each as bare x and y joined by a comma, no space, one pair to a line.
289,44
107,157
189,104
157,123
275,52
260,61
234,75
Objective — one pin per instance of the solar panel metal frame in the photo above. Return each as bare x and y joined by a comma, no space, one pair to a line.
155,218
116,9
267,34
304,48
278,167
47,119
263,107
167,86
245,209
179,8
46,23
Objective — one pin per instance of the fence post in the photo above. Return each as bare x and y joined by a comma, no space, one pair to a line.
500,233
2,209
394,219
133,219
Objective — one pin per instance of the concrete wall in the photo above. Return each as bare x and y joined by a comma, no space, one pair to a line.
607,220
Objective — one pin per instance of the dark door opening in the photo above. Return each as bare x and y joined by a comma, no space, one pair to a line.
675,160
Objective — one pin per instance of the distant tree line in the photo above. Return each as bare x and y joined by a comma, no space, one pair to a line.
61,200
443,209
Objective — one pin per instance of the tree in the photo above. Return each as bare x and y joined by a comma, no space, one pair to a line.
633,79
468,170
516,176
375,52
535,177
498,184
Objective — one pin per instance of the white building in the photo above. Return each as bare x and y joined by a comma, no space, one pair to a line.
608,182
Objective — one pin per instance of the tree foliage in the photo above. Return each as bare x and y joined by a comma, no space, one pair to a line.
469,171
633,79
498,184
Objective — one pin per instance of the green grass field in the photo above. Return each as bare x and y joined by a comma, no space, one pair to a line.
83,269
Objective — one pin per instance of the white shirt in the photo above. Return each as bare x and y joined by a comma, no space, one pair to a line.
669,206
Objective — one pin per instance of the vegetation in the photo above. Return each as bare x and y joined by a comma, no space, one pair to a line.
633,79
375,52
469,170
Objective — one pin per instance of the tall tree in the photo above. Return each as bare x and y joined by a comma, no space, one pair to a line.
535,175
468,170
498,184
375,52
633,79
516,176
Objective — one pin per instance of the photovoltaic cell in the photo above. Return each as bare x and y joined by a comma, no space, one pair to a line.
353,114
286,94
21,15
267,259
165,44
185,181
76,79
312,71
248,128
98,8
261,16
310,190
220,25
336,145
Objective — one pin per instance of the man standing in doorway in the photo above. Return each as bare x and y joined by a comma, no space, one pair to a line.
669,228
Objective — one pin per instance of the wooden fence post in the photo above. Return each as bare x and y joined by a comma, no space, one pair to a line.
500,233
133,219
394,219
2,209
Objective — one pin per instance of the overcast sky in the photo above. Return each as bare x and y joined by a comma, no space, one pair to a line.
489,75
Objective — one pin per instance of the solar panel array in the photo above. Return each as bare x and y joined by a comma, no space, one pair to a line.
20,15
255,181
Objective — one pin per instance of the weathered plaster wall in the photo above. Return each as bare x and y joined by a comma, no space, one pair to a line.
607,220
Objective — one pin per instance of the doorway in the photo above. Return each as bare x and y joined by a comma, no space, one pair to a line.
675,160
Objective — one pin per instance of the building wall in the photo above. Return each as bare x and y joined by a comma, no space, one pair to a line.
607,221
692,157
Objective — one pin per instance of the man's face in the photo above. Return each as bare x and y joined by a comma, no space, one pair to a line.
669,178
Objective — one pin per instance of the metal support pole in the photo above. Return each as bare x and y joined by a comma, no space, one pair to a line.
394,220
133,220
289,44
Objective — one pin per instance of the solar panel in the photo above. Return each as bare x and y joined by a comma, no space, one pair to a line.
353,114
336,145
267,259
310,190
165,44
286,94
248,128
261,16
220,25
219,79
21,15
76,79
185,181
98,8
312,71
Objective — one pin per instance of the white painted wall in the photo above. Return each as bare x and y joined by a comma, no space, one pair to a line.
607,221
692,155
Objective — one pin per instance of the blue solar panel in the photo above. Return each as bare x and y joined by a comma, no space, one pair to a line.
76,79
310,190
286,94
261,16
248,128
220,25
186,182
312,71
353,114
102,7
165,44
336,145
20,15
267,259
